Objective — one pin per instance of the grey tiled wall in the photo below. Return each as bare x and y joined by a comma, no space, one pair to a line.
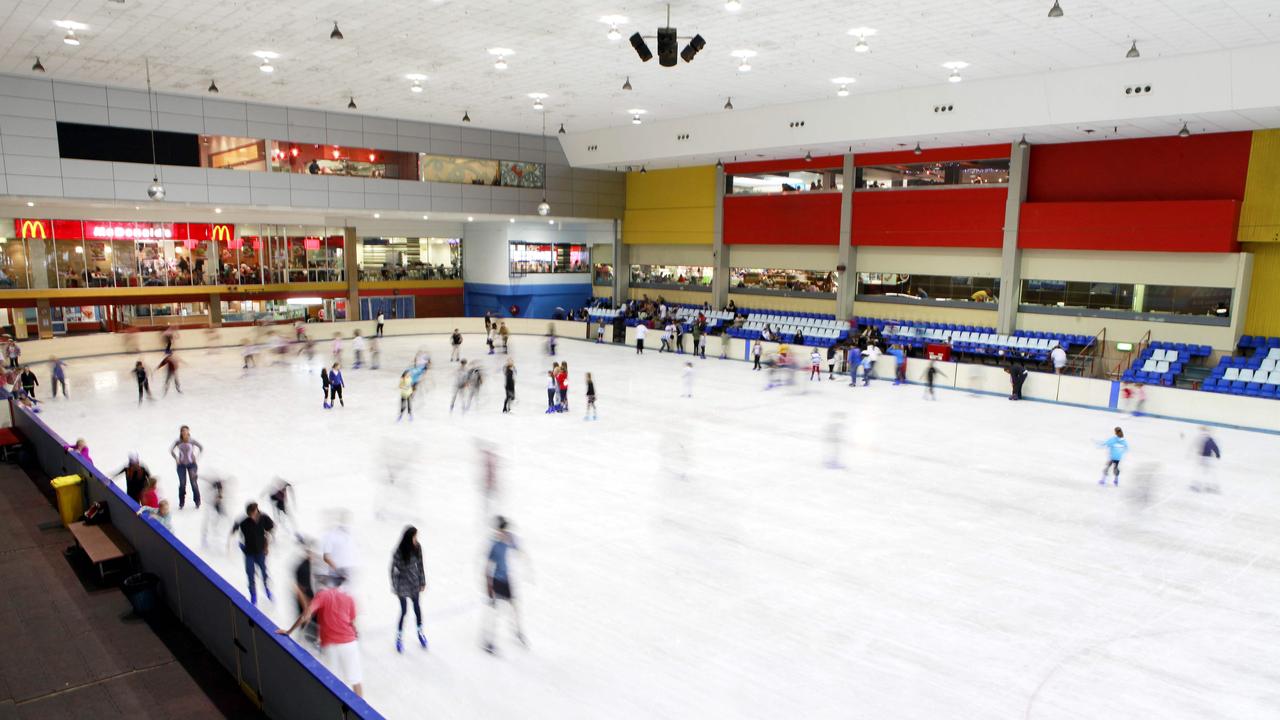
30,166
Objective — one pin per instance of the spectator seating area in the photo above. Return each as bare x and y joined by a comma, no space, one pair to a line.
1162,362
817,330
982,341
1254,373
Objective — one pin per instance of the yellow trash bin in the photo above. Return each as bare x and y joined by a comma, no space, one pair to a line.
70,497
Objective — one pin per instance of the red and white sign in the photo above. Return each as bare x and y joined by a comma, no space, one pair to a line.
121,230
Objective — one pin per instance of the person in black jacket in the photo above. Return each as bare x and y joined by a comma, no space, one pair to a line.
1017,376
408,580
135,477
509,374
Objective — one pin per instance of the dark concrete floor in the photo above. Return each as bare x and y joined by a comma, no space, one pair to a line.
71,648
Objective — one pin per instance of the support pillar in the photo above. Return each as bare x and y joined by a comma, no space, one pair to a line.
719,253
351,266
44,319
215,310
1010,295
621,266
846,256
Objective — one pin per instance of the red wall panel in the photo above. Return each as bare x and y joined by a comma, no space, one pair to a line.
783,219
1172,226
1201,167
968,217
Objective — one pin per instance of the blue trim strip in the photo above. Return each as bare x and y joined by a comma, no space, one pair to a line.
1114,401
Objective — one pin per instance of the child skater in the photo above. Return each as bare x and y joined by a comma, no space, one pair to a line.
756,351
552,387
930,374
170,365
600,333
562,386
336,384
337,348
497,579
406,396
815,365
325,385
688,380
489,332
591,399
1209,456
144,385
1116,446
509,384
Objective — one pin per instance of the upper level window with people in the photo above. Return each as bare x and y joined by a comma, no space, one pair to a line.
773,183
933,174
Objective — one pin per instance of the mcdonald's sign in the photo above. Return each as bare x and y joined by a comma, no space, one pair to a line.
221,232
26,228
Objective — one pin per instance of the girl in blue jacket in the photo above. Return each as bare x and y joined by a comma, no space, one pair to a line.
1116,447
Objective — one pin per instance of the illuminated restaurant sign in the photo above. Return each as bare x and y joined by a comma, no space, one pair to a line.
39,229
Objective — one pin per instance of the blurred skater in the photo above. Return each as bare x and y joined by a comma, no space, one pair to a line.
215,511
375,354
815,365
1017,376
455,346
358,346
336,383
408,581
304,588
144,384
835,430
667,331
282,498
1116,447
687,380
59,377
509,384
255,537
591,399
930,374
406,396
1210,454
336,348
135,477
497,576
170,364
460,385
855,363
504,334
489,332
336,612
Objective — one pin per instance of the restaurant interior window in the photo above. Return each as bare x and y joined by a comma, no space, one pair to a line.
784,280
933,174
910,286
602,274
784,182
1078,294
532,258
313,159
14,268
71,265
233,153
405,258
124,263
97,254
671,275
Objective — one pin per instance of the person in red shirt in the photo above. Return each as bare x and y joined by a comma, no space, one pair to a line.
150,498
562,381
336,612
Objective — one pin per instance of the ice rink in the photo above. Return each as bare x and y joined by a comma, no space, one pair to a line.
696,558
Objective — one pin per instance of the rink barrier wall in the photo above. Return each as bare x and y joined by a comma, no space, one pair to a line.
287,682
1172,403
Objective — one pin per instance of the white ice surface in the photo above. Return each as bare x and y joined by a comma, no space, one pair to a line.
695,559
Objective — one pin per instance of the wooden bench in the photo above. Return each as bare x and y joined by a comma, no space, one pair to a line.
102,544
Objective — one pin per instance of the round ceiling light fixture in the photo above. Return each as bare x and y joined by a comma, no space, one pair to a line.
862,33
844,83
613,21
733,5
744,59
501,54
955,66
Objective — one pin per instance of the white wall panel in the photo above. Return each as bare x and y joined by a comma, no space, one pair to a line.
786,257
1192,269
929,261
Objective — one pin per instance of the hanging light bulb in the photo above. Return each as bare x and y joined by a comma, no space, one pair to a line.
500,63
561,130
1185,132
466,116
808,156
1056,10
918,150
70,38
728,104
635,120
954,77
843,91
416,86
861,46
744,66
614,34
336,34
213,86
733,5
627,85
537,105
1023,142
351,103
38,66
266,66
1133,51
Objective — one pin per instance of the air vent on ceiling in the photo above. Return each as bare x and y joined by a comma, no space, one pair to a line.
943,108
796,124
683,136
1137,90
592,148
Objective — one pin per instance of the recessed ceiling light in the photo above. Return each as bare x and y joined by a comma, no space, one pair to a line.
70,38
502,54
426,217
733,5
511,219
551,222
377,215
470,219
217,211
30,204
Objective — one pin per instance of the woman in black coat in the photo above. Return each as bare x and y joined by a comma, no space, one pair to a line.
408,580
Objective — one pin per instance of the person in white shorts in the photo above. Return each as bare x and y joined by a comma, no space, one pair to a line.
336,612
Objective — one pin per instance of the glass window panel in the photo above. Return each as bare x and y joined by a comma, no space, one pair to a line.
934,174
15,271
930,287
817,281
673,275
784,182
71,263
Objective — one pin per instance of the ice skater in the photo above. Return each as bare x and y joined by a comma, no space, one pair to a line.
1210,454
757,349
815,365
381,320
497,578
248,355
327,386
489,487
687,380
1017,376
144,384
504,334
641,330
591,400
600,333
336,612
835,428
930,374
255,537
508,384
455,346
552,388
337,348
59,377
1116,447
724,344
304,588
358,346
855,363
701,344
135,477
551,343
29,382
408,581
667,331
562,387
170,364
406,396
336,383
831,361
375,354
489,333
186,452
460,385
283,498
215,511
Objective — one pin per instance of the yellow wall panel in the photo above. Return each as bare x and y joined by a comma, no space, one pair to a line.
670,207
1263,315
1260,213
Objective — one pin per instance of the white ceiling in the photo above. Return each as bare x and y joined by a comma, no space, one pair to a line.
561,49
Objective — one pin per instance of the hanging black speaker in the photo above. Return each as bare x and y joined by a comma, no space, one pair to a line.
668,50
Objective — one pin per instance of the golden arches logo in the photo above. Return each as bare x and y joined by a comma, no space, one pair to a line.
34,229
221,232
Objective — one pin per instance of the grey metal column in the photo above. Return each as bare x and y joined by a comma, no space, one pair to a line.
351,266
1010,295
846,257
621,266
719,253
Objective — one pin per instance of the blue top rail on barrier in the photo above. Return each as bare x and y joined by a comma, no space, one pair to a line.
354,705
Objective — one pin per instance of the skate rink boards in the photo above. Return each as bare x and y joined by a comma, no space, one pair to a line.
693,558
